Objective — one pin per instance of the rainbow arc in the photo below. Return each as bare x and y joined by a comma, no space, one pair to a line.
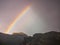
17,18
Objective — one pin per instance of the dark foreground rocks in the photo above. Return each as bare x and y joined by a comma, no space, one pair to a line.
48,38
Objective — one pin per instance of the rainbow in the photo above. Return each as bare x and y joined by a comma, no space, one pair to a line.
17,18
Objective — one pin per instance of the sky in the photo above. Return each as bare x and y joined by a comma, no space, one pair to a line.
43,16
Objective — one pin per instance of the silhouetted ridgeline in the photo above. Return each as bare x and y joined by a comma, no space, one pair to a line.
48,38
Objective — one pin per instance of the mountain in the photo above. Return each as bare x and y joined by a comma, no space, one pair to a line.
48,38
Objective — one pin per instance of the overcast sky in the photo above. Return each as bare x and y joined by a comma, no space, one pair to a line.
42,16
